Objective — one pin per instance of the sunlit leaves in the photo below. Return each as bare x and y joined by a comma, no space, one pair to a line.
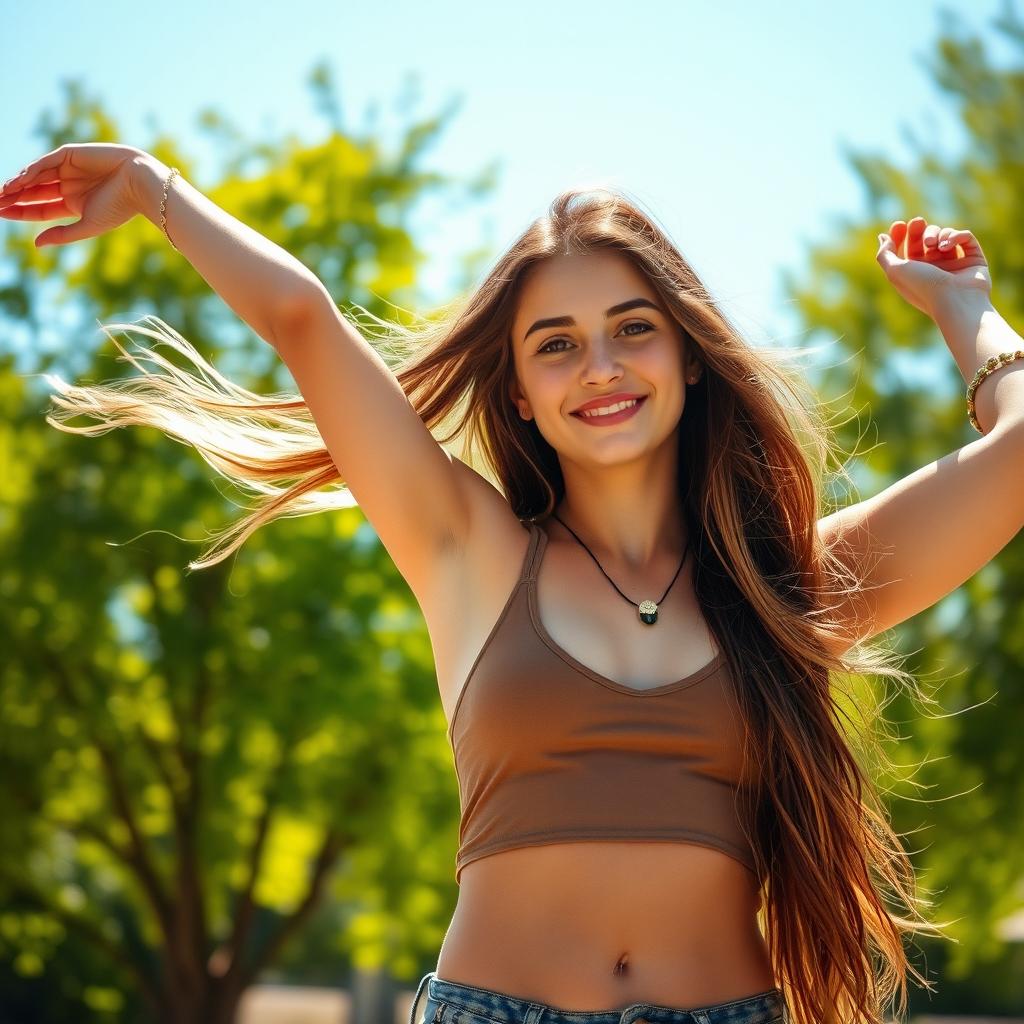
970,786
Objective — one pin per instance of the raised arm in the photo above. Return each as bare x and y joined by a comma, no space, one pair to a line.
414,494
107,184
256,277
927,534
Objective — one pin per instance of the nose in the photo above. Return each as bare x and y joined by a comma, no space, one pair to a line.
601,364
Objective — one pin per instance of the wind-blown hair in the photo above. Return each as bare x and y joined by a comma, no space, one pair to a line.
752,461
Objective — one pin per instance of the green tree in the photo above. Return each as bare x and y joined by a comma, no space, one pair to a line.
193,765
960,800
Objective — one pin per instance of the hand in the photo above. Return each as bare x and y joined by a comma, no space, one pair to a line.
92,180
924,271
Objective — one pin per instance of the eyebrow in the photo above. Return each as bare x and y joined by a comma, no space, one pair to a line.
568,321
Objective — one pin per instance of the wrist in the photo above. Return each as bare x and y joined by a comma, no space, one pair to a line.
955,305
968,322
148,175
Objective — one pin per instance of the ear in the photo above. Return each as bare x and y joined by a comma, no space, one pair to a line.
694,368
519,401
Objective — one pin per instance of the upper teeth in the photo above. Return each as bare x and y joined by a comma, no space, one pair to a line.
609,409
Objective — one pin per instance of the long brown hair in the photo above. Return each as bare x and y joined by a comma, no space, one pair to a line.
752,465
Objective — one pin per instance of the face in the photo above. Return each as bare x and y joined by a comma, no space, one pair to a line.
605,350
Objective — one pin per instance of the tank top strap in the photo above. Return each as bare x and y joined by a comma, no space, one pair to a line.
534,553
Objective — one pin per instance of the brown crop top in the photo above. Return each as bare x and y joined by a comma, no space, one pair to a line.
548,751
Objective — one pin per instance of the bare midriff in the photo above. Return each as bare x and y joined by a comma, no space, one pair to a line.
593,926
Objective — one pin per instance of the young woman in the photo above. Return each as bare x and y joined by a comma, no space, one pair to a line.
639,618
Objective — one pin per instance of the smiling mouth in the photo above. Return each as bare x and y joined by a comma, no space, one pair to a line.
615,417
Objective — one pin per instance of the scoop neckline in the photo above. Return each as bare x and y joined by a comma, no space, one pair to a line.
541,630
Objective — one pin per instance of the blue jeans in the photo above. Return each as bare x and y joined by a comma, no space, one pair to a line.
448,1002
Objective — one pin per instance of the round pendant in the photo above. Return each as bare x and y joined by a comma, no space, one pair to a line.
648,612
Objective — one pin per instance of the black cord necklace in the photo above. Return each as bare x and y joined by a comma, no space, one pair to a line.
648,610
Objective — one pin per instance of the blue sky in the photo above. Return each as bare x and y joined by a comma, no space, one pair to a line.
727,120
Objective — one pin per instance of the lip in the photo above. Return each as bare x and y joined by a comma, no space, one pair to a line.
618,417
596,403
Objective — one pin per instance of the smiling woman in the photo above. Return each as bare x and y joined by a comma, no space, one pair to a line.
606,368
657,823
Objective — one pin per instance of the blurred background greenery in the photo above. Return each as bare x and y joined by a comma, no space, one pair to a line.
241,775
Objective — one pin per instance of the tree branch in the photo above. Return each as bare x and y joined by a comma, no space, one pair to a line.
325,859
189,911
156,751
246,906
140,857
210,591
94,832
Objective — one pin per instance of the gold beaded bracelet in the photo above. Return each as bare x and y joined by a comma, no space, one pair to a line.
163,206
989,366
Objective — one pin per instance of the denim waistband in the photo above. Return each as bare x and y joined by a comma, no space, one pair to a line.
449,1002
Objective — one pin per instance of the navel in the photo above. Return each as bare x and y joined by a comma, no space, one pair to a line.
623,965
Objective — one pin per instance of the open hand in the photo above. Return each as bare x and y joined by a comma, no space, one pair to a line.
925,262
90,180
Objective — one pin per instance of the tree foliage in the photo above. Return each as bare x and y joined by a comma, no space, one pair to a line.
192,766
204,775
960,800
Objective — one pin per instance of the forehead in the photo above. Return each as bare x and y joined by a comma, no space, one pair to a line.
578,285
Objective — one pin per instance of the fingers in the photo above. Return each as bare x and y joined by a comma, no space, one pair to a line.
898,234
42,169
924,241
886,254
930,237
939,241
952,237
965,242
915,238
33,194
36,211
13,184
921,238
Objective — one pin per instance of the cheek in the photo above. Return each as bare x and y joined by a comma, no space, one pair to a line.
549,389
662,368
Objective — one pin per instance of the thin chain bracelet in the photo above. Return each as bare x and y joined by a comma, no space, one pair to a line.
163,206
989,366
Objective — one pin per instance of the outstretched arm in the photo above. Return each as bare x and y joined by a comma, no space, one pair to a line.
258,279
925,535
106,184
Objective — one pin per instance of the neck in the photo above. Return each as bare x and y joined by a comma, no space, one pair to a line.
637,539
629,514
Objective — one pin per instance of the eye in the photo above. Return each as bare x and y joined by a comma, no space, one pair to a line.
633,323
545,349
638,323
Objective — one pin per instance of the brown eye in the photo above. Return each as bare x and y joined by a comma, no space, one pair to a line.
639,323
634,323
544,347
